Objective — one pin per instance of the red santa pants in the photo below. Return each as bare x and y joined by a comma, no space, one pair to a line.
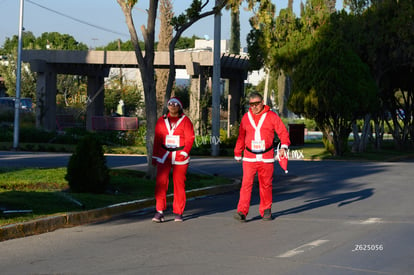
161,186
265,175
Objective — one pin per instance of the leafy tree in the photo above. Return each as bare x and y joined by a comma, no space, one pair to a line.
357,6
262,36
28,79
67,85
118,45
129,94
234,7
333,86
186,42
57,41
386,44
287,29
8,69
10,44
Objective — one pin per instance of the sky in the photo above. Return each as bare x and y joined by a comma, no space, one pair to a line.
98,22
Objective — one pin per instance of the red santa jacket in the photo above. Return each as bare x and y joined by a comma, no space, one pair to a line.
173,140
256,135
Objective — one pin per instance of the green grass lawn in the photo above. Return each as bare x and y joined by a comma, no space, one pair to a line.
46,192
315,150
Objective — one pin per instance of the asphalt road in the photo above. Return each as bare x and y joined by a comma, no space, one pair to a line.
330,217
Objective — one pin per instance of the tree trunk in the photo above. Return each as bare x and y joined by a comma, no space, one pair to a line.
266,88
165,37
146,67
283,90
357,140
366,132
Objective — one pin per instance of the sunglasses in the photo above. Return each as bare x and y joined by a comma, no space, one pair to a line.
174,104
254,104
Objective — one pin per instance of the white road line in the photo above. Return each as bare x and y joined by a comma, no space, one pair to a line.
371,221
302,248
368,221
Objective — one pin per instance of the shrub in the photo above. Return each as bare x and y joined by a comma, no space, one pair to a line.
33,134
87,171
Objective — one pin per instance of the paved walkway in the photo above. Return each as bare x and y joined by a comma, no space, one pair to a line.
330,217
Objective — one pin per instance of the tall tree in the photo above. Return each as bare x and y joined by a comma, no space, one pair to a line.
180,24
146,67
165,37
234,7
28,79
287,25
339,90
262,36
66,84
386,45
146,62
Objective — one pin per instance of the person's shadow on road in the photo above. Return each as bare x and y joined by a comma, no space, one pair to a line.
340,199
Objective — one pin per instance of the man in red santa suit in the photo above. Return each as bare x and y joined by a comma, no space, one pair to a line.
254,147
174,137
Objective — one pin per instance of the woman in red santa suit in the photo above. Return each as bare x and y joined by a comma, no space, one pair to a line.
254,147
174,137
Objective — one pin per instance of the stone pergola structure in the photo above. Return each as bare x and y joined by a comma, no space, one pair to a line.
96,65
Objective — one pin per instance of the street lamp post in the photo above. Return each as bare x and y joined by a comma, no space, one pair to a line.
215,127
18,81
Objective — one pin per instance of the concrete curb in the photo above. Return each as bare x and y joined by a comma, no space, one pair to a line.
51,223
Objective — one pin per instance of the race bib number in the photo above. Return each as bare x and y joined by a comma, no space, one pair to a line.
172,141
258,145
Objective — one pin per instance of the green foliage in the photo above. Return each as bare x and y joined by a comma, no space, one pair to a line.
28,79
10,44
235,32
357,6
186,42
58,41
130,94
183,93
66,85
47,40
32,134
87,171
256,55
119,45
261,38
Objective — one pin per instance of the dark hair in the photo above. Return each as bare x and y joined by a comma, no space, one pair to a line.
255,94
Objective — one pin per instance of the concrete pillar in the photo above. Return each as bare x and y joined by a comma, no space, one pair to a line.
46,100
195,95
95,101
236,90
197,91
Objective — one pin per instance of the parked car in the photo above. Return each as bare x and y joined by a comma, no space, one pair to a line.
26,104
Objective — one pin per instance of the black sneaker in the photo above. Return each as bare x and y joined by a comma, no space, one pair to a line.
178,218
240,217
267,216
158,217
